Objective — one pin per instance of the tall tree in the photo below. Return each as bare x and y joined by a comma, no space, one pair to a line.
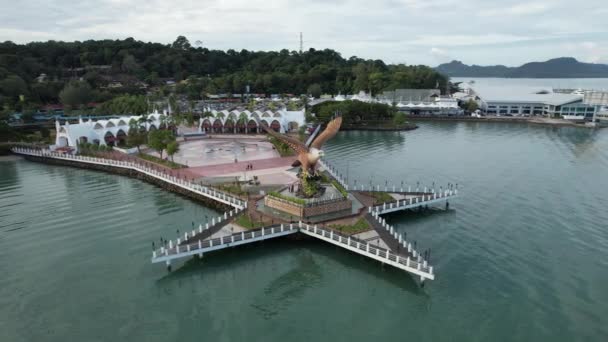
172,149
159,140
75,94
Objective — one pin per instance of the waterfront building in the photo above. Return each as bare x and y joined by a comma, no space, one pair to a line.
410,95
103,132
421,102
599,100
245,121
507,101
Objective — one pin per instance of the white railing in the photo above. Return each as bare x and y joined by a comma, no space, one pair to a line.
415,266
180,250
428,198
334,173
185,184
398,237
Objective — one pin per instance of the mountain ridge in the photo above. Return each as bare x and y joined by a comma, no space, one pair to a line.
562,67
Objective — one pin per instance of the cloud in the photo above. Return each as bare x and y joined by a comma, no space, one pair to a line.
588,51
393,30
438,52
468,40
521,9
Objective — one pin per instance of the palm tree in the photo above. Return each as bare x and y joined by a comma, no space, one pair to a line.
143,121
164,120
243,119
133,126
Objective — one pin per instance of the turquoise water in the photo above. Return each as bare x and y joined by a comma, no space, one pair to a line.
521,255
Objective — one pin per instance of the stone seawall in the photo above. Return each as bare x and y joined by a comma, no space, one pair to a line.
135,174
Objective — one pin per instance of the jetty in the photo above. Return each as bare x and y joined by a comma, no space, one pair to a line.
382,243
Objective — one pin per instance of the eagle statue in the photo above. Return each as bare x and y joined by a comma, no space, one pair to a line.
308,156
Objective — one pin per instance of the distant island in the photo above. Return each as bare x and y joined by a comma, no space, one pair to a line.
564,67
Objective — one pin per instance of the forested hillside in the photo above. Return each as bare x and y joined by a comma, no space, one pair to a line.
113,67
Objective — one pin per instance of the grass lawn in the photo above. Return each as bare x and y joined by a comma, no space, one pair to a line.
233,188
157,160
245,222
360,226
380,197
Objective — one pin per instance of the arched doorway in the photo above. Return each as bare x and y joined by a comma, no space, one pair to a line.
293,126
62,142
217,126
206,126
152,128
252,126
83,140
121,137
275,125
109,138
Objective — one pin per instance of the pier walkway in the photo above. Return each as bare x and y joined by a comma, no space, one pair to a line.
210,237
407,263
205,191
414,200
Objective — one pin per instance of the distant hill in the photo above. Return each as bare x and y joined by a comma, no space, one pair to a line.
564,67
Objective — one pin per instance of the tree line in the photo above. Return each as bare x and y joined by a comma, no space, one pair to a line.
98,63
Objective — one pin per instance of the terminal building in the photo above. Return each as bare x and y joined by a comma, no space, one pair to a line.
507,101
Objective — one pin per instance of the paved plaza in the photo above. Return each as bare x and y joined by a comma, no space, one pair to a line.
217,151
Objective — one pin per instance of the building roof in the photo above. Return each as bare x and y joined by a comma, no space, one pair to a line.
525,95
411,94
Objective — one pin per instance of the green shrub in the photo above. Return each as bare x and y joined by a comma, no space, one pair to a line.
360,226
339,187
287,198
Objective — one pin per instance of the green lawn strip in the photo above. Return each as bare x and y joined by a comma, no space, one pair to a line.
381,197
245,222
232,188
157,160
339,187
360,226
287,198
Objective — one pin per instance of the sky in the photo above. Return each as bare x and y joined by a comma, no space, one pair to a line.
429,32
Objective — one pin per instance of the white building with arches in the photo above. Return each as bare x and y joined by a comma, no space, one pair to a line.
103,132
245,121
